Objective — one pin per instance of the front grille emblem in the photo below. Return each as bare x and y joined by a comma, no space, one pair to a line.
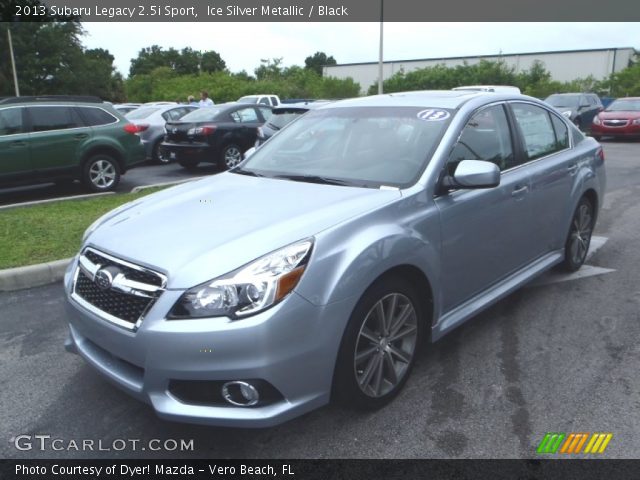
104,278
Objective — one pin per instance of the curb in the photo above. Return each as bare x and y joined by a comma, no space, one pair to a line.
33,275
51,200
30,276
139,188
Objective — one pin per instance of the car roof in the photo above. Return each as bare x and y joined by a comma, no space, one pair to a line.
450,99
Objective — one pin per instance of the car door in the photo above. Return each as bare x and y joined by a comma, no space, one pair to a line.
247,120
486,233
57,135
15,161
553,167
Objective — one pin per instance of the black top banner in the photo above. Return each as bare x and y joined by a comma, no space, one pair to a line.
321,10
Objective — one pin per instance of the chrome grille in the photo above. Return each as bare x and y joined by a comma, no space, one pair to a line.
115,290
615,123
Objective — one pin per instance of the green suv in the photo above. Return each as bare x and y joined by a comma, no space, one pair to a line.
63,138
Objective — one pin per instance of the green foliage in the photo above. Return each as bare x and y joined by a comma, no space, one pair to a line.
318,60
50,60
293,82
184,62
536,81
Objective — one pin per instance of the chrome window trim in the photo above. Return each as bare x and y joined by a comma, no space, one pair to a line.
74,128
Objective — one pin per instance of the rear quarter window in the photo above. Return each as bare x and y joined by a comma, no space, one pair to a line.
94,117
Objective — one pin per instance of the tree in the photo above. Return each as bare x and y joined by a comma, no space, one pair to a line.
50,60
212,62
318,60
269,69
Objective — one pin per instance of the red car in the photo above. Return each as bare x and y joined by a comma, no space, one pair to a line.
620,119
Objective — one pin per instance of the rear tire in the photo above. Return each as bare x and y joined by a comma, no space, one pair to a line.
379,346
101,173
230,157
158,155
579,238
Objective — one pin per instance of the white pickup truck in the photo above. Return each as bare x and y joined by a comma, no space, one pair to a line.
263,99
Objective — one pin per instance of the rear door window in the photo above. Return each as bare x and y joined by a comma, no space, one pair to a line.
95,117
11,121
538,135
44,119
245,115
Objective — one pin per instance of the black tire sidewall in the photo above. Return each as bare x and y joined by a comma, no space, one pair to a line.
568,264
86,180
345,388
223,153
155,154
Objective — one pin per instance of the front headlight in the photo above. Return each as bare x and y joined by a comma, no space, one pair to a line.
636,121
567,113
596,120
249,290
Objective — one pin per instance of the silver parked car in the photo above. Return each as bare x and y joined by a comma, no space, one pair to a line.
318,267
149,121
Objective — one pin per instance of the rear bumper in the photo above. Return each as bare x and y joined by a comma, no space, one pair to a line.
200,152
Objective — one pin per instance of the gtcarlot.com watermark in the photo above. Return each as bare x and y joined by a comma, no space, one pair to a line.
48,443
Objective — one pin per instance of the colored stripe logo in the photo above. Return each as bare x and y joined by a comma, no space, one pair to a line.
568,443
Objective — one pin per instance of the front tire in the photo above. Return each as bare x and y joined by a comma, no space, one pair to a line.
101,173
379,345
579,238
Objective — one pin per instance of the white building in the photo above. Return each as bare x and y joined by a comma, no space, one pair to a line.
564,66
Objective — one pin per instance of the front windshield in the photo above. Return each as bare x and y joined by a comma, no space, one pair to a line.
624,106
563,100
360,146
203,114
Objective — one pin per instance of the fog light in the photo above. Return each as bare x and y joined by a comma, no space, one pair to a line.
240,394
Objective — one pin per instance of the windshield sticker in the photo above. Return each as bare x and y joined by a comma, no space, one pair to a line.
432,115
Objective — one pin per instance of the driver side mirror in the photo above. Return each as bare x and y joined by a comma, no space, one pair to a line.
474,174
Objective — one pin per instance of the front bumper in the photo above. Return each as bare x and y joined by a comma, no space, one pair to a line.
292,346
630,131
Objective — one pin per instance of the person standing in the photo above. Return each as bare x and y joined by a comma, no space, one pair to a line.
205,101
192,101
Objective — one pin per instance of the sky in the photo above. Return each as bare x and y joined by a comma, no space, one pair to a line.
243,45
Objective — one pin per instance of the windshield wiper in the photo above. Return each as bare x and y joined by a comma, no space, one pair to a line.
315,179
250,173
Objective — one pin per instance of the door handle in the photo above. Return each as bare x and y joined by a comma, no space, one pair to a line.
572,168
519,190
18,143
80,136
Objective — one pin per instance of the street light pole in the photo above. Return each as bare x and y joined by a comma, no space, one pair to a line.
13,63
380,56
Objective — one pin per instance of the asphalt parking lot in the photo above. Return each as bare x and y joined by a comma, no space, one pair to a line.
561,355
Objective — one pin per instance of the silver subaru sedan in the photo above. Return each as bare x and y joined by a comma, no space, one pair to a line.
317,268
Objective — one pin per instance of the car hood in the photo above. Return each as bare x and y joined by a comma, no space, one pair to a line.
624,115
201,230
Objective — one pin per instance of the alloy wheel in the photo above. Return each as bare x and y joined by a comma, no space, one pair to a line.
102,174
580,235
232,156
386,345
